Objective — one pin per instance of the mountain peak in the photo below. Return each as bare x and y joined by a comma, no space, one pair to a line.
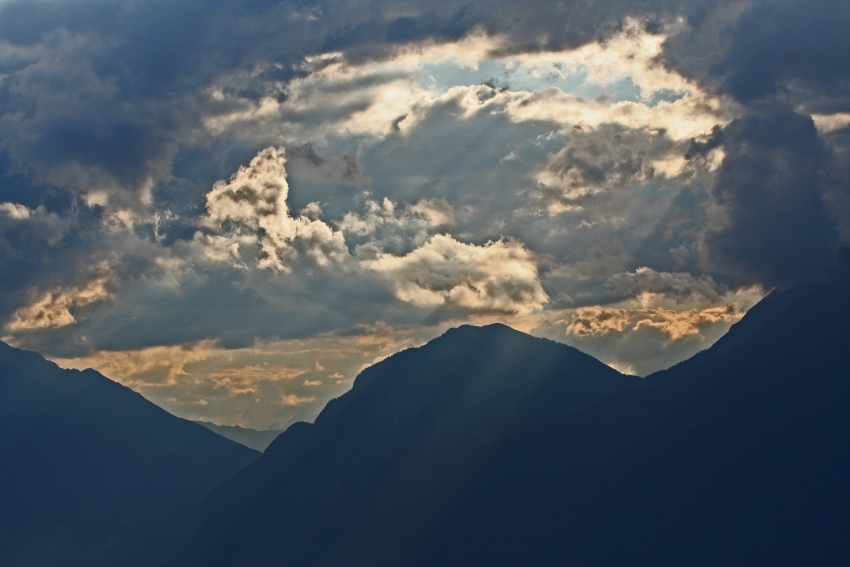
422,414
94,474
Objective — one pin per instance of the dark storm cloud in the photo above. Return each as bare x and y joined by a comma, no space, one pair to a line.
233,306
771,226
783,186
798,50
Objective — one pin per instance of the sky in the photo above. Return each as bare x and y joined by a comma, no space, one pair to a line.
234,207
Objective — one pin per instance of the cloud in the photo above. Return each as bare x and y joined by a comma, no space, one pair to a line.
157,366
15,211
769,223
791,50
647,331
247,386
338,97
398,202
251,207
590,321
826,123
387,228
244,380
498,276
605,159
681,286
52,309
293,400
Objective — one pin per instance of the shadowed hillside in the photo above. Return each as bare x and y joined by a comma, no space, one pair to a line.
92,474
382,463
488,447
744,460
257,440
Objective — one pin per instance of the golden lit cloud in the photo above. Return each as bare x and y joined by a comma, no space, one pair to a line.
826,123
54,308
253,386
293,400
588,321
683,310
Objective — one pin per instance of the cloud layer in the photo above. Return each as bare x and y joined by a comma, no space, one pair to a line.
182,183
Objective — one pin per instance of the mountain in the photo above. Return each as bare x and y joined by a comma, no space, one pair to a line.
92,474
257,440
743,331
381,463
745,460
488,447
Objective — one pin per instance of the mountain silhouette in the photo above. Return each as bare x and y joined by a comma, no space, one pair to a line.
381,463
92,474
741,332
742,461
257,440
489,447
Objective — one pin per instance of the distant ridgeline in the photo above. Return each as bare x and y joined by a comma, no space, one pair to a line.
94,475
484,447
257,440
490,447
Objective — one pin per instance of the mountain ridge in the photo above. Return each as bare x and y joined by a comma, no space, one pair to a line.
419,417
94,474
748,434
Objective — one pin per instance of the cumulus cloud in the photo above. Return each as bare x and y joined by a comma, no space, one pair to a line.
498,276
15,211
252,207
384,227
37,223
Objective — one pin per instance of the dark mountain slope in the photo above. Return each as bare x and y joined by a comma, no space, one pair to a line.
257,440
382,463
744,461
92,474
454,454
741,332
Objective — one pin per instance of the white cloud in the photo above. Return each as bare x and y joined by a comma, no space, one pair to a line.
373,98
498,276
15,211
386,226
252,207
